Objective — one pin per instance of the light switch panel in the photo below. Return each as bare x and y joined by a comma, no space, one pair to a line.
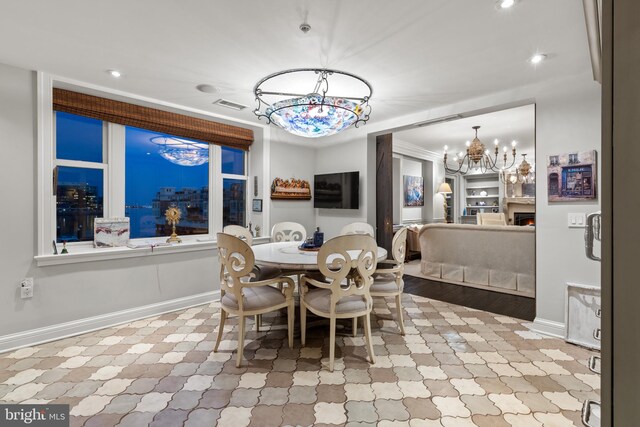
576,220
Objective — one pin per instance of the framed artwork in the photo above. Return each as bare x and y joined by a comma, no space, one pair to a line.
290,189
572,177
257,205
110,232
413,191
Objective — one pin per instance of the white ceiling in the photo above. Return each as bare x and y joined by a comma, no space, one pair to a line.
506,125
416,54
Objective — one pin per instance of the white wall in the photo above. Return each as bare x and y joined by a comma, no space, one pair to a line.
292,161
349,157
75,291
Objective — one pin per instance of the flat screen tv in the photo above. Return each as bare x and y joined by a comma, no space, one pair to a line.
337,190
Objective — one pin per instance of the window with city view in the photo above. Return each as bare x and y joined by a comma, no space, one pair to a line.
80,176
159,174
233,187
160,171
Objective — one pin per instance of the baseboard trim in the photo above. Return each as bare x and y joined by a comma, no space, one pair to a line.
89,324
548,327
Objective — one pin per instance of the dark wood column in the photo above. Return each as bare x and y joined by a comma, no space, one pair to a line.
384,191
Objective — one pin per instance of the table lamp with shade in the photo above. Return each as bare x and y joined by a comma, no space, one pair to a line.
445,189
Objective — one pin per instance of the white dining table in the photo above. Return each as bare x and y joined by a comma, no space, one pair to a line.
287,256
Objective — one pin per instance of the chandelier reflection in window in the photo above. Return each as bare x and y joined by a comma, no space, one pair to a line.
284,100
524,173
478,157
182,152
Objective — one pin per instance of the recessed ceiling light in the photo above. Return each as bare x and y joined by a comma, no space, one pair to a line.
537,58
206,88
114,73
506,4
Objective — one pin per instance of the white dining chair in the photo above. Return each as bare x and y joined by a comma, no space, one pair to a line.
387,280
288,232
260,272
242,295
348,264
357,228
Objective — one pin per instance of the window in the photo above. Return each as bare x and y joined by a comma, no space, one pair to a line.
79,170
234,187
158,178
152,172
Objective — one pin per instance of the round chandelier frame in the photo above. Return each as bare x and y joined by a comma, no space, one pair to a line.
478,157
316,113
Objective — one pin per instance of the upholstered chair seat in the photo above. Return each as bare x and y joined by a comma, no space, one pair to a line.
254,298
320,300
386,286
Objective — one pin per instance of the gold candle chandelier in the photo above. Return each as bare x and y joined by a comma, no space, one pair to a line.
479,158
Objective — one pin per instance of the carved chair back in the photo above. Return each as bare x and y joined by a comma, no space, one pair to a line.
399,245
357,228
236,262
240,232
288,232
349,262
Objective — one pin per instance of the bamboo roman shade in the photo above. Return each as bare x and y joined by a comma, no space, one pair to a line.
152,119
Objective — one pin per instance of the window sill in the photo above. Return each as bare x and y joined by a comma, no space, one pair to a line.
80,254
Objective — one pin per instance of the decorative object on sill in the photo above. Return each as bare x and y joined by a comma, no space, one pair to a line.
413,191
524,173
286,102
182,152
64,247
110,232
290,189
258,229
478,158
572,177
445,189
257,205
55,248
173,215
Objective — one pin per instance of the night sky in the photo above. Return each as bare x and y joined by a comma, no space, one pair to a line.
80,138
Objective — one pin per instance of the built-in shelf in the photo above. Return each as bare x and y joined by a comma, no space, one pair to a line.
474,184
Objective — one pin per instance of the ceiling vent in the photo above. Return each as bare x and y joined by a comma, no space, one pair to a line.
230,104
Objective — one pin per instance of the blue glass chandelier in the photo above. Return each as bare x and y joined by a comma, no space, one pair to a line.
317,113
182,152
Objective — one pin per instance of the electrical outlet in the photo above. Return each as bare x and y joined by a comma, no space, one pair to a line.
26,288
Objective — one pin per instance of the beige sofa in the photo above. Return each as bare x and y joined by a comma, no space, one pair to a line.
494,257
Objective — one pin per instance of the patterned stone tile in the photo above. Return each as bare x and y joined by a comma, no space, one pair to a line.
455,367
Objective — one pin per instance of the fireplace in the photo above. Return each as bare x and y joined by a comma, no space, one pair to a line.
524,218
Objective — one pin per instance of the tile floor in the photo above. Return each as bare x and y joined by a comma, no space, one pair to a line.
455,367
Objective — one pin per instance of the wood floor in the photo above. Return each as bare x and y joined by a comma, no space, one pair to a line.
480,299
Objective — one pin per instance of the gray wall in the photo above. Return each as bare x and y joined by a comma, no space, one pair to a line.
292,161
75,291
349,157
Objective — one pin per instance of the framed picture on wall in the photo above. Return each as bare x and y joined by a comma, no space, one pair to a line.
257,205
413,191
572,177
